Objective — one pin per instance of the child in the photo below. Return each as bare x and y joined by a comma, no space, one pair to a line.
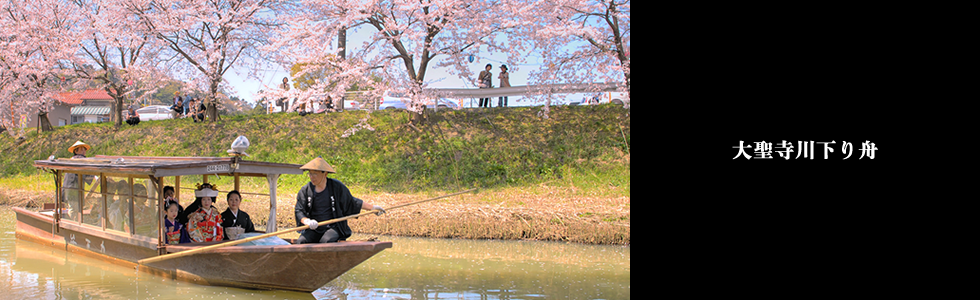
176,233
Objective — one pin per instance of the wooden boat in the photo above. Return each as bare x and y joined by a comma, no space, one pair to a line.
107,217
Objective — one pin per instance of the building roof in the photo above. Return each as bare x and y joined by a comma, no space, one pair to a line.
77,98
95,95
90,110
70,98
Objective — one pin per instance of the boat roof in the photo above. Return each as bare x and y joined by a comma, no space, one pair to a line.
163,166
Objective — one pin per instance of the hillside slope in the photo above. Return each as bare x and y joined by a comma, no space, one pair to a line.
451,150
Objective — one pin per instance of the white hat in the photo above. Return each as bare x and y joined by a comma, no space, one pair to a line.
206,190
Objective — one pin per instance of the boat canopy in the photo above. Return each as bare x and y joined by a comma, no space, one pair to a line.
168,166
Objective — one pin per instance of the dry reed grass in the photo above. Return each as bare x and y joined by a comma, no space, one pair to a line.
542,213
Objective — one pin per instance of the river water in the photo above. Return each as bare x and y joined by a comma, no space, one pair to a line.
414,268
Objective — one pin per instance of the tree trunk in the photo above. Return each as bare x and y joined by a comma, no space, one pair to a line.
43,123
212,112
117,108
342,42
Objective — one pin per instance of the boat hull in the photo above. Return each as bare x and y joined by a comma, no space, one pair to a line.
302,268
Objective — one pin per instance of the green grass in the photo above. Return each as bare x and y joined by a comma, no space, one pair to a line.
585,147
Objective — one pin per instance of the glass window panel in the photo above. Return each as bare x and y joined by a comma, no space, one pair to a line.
72,195
118,204
92,206
145,208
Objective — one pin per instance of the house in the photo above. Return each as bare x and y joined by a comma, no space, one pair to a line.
91,106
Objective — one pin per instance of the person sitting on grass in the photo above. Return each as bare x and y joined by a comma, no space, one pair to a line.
134,117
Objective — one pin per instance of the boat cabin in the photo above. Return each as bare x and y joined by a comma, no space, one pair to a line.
122,196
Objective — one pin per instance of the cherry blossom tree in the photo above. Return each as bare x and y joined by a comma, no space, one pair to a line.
208,38
116,54
36,39
407,39
579,41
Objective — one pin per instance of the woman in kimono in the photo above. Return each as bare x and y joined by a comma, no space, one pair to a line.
203,219
236,221
176,232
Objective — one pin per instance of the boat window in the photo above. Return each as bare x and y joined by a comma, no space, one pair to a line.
72,189
117,192
145,208
92,204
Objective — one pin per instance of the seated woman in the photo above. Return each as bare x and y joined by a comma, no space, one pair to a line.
118,205
203,219
236,222
145,214
134,117
176,232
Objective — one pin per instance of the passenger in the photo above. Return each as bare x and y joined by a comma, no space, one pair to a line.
236,222
176,232
146,216
118,218
204,221
168,195
323,199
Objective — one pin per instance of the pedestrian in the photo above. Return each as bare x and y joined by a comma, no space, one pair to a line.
504,82
187,105
284,101
485,83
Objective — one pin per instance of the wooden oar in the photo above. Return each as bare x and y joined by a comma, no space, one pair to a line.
331,221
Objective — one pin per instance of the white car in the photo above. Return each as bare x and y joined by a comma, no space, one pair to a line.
154,112
398,100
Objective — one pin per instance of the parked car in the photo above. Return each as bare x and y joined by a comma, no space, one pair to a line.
398,100
154,112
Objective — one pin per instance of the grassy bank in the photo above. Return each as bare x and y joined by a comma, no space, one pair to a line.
562,178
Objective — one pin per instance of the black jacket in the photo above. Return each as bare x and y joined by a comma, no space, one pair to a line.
346,205
229,220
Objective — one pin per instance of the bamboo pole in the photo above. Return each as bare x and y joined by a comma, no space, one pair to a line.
331,221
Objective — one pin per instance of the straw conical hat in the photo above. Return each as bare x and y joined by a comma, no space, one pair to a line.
318,164
77,145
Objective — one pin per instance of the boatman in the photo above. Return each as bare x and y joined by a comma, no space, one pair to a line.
323,199
71,187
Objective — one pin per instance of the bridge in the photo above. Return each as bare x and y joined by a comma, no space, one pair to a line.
522,90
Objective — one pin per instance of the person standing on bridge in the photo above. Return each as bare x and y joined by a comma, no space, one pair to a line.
485,83
504,82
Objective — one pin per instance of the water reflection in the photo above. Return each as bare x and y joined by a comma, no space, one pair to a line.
415,268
